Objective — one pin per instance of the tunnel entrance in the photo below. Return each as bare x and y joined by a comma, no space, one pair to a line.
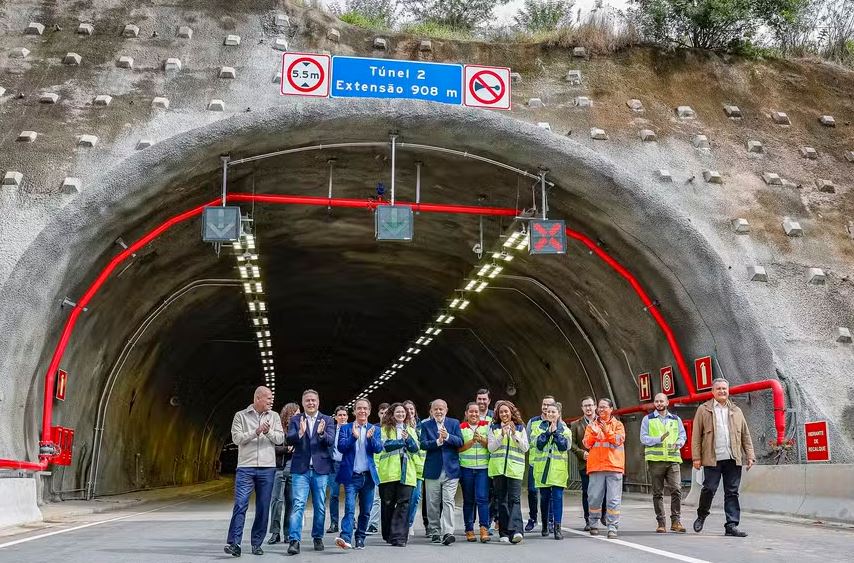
342,306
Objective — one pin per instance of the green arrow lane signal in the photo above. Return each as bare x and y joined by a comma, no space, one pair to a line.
394,222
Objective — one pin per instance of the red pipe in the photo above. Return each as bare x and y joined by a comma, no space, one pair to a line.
681,366
95,286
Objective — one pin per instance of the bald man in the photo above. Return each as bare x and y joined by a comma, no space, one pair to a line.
256,430
441,438
663,434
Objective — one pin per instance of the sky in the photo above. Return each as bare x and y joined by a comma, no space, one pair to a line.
504,14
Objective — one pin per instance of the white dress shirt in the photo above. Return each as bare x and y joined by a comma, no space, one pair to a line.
723,449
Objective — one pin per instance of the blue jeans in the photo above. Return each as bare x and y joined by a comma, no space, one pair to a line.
301,483
532,495
363,486
475,495
413,502
551,502
334,488
245,480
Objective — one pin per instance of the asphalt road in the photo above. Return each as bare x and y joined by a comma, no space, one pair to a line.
194,530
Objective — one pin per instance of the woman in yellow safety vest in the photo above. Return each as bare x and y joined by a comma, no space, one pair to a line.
415,422
507,444
397,472
551,439
474,477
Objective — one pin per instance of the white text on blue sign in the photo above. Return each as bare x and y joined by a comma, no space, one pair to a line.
358,77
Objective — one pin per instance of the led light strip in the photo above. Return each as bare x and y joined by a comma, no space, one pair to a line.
489,267
246,254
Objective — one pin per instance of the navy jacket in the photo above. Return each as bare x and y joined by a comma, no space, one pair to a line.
445,456
317,448
347,447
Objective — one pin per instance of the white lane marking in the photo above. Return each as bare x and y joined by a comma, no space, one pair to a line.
98,523
639,547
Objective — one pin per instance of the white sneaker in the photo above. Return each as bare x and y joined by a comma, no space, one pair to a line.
504,539
412,530
517,538
342,543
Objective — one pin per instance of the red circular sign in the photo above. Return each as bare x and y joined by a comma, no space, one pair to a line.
304,89
477,78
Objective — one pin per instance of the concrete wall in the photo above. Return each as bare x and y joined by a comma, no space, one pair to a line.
18,501
818,491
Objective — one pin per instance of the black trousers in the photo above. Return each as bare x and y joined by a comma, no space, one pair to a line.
394,511
508,495
731,474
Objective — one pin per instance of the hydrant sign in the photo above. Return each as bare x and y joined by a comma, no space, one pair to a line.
817,441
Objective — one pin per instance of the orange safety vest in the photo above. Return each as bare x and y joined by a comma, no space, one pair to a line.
608,454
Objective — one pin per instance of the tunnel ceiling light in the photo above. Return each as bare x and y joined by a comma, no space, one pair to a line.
486,270
256,322
247,288
243,272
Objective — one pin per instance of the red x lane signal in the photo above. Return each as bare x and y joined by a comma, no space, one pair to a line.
548,237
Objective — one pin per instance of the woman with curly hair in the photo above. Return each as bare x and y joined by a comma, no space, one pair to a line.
397,474
282,503
415,422
507,443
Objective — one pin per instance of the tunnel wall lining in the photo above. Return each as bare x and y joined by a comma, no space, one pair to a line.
128,188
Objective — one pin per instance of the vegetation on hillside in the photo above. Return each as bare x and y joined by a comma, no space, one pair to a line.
750,27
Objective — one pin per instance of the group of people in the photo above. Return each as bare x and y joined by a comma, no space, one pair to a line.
384,467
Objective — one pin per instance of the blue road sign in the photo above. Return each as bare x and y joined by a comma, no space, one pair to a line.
359,77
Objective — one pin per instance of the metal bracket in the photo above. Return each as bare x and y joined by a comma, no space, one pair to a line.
66,302
121,242
224,158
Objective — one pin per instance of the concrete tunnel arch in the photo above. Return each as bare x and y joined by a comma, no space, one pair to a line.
672,259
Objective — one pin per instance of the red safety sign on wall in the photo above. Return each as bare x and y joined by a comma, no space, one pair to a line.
668,386
645,387
61,384
703,373
817,441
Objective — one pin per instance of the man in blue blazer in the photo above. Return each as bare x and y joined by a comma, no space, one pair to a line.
311,434
441,438
358,442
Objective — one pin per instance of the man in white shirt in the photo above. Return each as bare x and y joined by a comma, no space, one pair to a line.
341,416
721,445
256,430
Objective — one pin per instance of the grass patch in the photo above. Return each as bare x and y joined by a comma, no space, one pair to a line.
437,31
361,20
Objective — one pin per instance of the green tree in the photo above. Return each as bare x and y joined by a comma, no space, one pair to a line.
707,24
543,15
455,14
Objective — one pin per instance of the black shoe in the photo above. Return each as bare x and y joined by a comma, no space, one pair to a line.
530,525
698,524
275,538
333,528
318,544
604,523
448,539
360,543
551,527
293,549
372,530
587,527
232,549
558,533
735,532
544,532
256,550
435,539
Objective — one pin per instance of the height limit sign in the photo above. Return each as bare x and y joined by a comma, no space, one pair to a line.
305,74
486,87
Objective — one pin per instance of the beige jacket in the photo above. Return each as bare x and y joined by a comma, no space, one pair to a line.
703,435
256,450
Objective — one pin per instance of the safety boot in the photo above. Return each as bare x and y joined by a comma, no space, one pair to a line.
661,529
676,526
484,534
470,536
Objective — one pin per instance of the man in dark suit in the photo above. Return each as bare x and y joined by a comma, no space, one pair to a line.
358,442
577,428
311,434
441,438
